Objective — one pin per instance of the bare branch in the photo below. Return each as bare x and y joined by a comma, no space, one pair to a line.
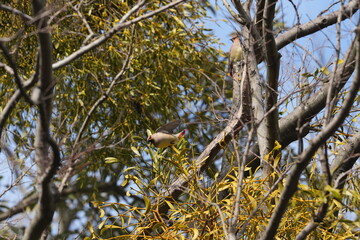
7,68
241,173
329,107
91,33
292,181
259,16
239,18
270,132
16,11
296,11
328,8
345,160
315,25
47,167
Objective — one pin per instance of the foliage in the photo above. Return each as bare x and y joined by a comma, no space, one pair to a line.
112,184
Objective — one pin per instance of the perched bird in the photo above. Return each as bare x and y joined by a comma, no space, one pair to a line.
164,137
236,52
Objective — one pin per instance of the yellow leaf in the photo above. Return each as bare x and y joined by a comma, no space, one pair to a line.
325,70
196,233
81,102
147,204
276,160
102,224
112,226
174,148
253,201
148,132
110,160
170,205
179,21
102,212
135,150
90,228
277,145
335,192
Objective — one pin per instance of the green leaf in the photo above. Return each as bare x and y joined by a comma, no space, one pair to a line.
335,192
325,70
110,160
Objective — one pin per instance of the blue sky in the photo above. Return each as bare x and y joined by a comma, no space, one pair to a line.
223,25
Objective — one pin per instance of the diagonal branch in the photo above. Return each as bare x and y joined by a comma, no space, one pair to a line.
16,11
18,80
10,105
317,24
206,158
304,159
123,23
344,161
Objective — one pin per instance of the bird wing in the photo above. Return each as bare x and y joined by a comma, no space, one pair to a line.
169,127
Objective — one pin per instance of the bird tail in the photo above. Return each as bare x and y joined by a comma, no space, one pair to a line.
181,134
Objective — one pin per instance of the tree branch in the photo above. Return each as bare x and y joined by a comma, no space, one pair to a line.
123,23
304,159
47,167
16,11
344,161
259,16
315,25
18,80
10,105
287,125
205,158
32,199
268,134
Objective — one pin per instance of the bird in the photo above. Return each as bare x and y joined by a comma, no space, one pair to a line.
164,137
236,52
